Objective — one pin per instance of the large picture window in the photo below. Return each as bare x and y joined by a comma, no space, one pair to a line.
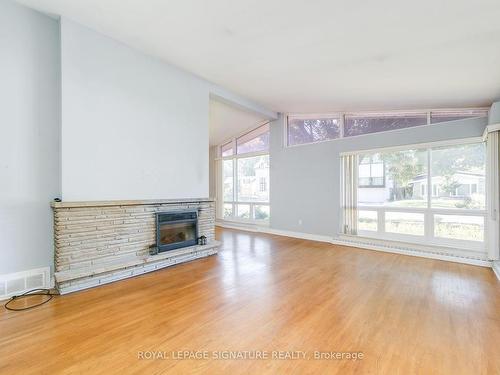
245,177
430,195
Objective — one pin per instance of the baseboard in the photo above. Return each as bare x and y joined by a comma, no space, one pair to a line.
413,252
303,236
235,225
388,249
496,268
278,232
17,283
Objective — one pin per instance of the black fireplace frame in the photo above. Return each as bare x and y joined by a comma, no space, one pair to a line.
176,217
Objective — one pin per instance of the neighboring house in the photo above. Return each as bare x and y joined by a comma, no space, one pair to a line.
253,188
256,187
466,184
375,187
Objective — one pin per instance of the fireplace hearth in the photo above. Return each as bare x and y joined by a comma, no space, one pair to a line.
175,230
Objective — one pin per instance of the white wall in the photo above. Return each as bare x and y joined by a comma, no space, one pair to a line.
133,127
29,136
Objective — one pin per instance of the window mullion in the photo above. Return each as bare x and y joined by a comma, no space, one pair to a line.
235,179
381,220
341,124
428,216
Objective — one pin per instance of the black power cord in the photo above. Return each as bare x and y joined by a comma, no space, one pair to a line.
29,293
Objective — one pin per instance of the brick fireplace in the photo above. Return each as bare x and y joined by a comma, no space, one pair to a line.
101,242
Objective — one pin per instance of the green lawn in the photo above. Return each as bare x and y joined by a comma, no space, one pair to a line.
436,203
454,230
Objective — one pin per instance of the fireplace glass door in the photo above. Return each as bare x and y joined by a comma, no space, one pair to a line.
176,230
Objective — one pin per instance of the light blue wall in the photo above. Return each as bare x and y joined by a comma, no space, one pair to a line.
29,136
305,180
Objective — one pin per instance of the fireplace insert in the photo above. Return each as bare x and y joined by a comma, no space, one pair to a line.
176,229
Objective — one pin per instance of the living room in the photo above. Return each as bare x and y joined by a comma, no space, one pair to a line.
193,187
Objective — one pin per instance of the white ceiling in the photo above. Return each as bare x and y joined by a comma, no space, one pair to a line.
227,121
316,56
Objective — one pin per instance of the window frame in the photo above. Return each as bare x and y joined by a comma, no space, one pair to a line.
429,237
235,202
342,116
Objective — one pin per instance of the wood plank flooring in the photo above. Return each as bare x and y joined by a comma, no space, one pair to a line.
269,293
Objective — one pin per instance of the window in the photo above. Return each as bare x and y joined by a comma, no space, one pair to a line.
228,210
405,172
367,220
254,141
243,211
245,177
371,171
303,130
263,184
228,181
374,123
459,174
431,195
459,227
409,223
306,129
261,212
250,172
227,149
451,115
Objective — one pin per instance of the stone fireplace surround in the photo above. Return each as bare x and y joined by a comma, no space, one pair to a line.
104,241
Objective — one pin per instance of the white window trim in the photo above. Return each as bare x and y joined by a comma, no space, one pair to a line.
341,116
429,212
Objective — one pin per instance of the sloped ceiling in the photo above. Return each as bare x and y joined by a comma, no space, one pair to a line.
316,56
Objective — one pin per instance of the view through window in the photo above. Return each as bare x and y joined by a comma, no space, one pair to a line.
437,194
305,129
245,177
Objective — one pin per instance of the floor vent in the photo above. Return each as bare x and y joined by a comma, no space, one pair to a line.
17,283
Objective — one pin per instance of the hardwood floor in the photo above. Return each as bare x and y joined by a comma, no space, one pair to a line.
268,293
